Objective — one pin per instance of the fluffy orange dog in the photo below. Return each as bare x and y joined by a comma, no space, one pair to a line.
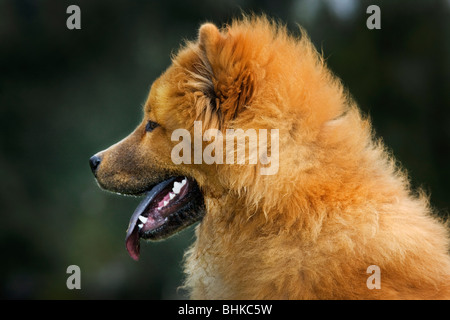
336,220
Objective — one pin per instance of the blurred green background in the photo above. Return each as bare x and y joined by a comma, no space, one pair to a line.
66,94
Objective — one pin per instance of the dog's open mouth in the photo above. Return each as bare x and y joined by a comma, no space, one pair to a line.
168,207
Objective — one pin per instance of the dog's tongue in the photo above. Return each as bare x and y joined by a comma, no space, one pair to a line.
132,238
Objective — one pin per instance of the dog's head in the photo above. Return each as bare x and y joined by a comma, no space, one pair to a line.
220,92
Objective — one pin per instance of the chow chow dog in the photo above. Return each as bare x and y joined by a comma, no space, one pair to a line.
337,219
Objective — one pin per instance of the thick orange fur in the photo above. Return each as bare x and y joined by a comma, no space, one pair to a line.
338,203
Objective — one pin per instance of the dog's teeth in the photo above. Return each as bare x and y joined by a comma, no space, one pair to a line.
166,202
140,225
171,195
143,219
183,182
177,187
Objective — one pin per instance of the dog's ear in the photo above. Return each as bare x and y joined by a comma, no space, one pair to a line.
226,58
209,36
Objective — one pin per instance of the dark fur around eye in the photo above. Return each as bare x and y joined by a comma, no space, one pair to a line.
151,125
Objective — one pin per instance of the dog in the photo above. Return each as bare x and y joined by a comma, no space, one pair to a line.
335,219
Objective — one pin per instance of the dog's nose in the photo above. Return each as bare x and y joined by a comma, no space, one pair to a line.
94,162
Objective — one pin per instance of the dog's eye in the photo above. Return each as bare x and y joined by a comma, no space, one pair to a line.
151,125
